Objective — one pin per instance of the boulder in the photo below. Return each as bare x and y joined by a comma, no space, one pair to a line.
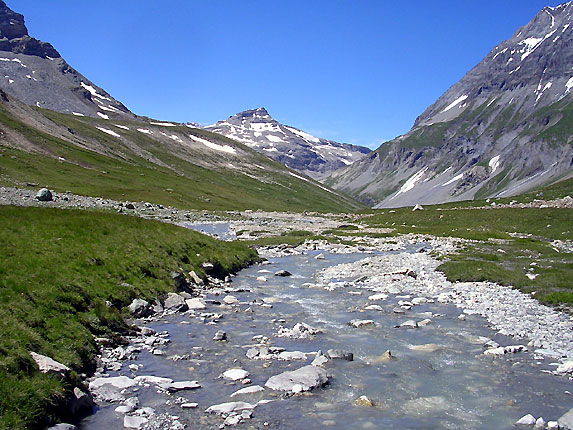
235,374
119,382
81,403
49,365
175,302
292,355
140,308
566,367
134,422
220,336
248,390
526,421
283,273
340,355
566,420
229,407
44,195
174,387
196,303
180,282
361,323
363,401
230,300
307,378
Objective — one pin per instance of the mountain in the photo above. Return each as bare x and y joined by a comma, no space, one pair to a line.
60,130
35,73
298,150
504,128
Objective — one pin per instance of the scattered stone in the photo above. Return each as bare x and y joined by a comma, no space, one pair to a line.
409,324
377,297
361,323
566,420
283,273
230,300
196,303
526,420
424,322
248,390
175,303
540,423
299,331
418,208
292,355
552,425
44,195
235,374
319,257
566,367
363,401
140,308
134,422
320,359
189,405
229,407
338,354
174,387
220,336
49,365
308,377
119,382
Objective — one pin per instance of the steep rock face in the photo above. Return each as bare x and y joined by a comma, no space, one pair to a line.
298,150
34,72
504,128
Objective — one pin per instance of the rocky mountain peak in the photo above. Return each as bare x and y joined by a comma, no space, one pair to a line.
14,36
12,24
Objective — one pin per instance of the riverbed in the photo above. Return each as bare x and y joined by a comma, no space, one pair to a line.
435,374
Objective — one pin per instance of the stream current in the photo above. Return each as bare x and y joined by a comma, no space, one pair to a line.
447,385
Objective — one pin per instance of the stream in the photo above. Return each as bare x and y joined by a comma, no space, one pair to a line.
438,377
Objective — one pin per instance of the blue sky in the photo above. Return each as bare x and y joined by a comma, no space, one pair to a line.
353,71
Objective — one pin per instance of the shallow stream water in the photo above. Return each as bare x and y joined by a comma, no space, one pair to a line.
449,386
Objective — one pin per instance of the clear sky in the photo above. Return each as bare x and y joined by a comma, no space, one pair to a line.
357,71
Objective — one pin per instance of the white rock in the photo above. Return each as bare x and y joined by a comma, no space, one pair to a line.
552,425
540,423
424,322
196,303
526,420
361,323
230,300
377,297
155,380
134,422
49,365
120,382
495,351
235,374
248,390
292,355
227,408
566,367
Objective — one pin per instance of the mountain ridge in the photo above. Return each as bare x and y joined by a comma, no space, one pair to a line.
504,128
288,145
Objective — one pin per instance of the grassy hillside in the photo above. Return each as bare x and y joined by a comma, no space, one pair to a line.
68,153
57,270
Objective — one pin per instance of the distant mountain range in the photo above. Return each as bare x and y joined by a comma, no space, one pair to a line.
504,128
295,148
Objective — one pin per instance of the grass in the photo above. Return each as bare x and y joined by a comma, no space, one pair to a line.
65,277
496,252
123,175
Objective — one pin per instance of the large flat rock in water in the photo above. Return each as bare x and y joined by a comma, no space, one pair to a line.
304,379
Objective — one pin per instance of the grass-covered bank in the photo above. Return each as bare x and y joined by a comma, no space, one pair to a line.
512,246
57,270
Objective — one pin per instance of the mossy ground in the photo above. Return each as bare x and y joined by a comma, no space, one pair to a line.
58,268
